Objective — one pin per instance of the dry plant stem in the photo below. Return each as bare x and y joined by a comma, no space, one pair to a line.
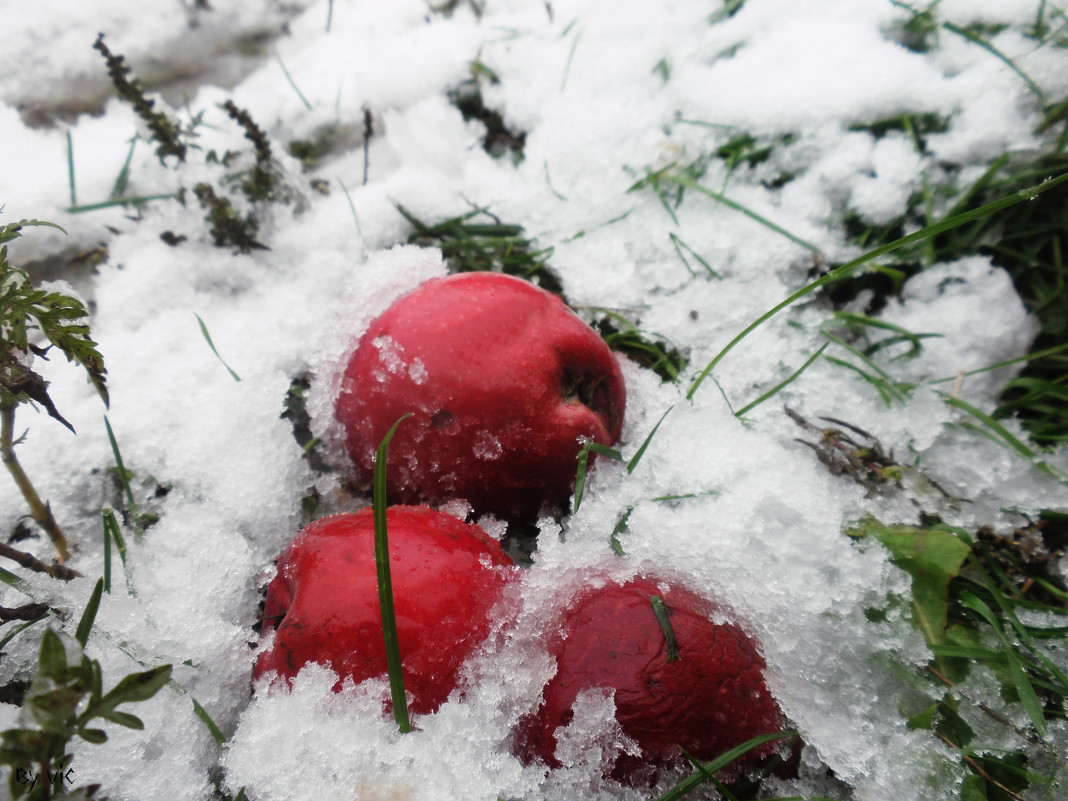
33,563
39,510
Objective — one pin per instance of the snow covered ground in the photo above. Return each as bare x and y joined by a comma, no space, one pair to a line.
603,91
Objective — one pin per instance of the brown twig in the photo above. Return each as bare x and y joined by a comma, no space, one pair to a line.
57,570
24,612
39,510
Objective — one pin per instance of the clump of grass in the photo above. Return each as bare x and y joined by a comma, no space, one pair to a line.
968,591
228,227
485,247
499,140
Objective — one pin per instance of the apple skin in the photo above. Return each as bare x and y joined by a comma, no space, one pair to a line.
323,604
709,700
502,379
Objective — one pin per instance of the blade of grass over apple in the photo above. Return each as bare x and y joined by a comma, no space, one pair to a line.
385,585
697,778
946,224
664,622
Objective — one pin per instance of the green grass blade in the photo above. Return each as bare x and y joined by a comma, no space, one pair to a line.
679,245
85,625
637,457
205,718
1006,438
119,201
15,631
1027,357
296,89
124,478
207,338
1028,697
664,622
775,389
352,207
70,169
123,177
583,462
113,533
12,580
698,777
974,39
385,586
726,201
849,267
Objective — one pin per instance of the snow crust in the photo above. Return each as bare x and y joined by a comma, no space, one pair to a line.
757,521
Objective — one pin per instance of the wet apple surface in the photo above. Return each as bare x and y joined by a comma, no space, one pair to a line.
323,604
503,381
694,681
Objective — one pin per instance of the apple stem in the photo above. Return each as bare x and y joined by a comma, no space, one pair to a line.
385,586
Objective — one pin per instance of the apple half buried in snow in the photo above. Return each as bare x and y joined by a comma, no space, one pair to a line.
503,381
704,691
323,604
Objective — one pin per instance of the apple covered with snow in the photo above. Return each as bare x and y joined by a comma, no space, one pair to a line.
504,382
323,605
680,671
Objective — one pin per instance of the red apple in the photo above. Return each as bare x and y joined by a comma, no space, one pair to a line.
708,699
503,380
323,604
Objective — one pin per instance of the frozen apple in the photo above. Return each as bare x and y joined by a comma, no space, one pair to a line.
689,678
504,383
323,604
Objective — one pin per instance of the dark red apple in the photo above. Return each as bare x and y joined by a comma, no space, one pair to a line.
323,604
707,698
503,380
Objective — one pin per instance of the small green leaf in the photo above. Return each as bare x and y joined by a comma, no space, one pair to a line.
85,625
931,556
95,736
53,658
136,687
124,719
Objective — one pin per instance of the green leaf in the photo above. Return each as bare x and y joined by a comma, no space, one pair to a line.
135,687
124,719
932,557
95,736
53,657
85,625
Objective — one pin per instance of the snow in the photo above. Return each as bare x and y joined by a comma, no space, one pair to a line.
762,530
